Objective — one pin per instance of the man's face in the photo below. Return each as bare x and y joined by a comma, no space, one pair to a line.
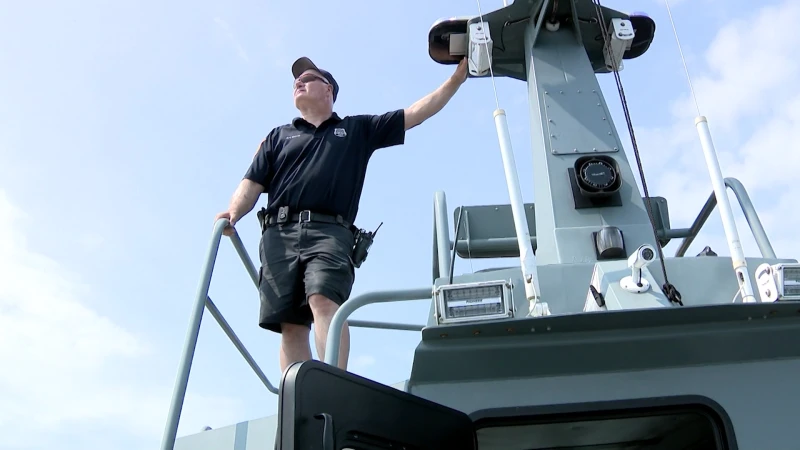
311,87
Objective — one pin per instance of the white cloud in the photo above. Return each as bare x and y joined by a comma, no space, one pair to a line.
743,87
69,374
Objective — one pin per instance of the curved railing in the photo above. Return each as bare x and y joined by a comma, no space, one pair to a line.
202,300
750,214
335,329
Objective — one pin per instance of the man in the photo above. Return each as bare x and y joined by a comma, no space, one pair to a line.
316,166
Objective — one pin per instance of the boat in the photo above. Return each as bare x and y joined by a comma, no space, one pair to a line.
597,339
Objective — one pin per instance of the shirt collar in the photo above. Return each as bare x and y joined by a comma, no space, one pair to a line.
299,121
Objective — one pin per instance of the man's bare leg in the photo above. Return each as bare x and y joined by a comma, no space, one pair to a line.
323,309
294,344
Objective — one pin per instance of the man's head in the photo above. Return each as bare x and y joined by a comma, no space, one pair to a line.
313,87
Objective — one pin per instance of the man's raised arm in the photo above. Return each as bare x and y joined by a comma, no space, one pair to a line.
432,103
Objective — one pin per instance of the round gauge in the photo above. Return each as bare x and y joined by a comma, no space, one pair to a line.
598,174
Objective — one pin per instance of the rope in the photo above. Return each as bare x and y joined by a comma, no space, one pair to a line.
669,290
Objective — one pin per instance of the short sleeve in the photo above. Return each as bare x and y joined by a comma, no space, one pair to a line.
261,169
386,130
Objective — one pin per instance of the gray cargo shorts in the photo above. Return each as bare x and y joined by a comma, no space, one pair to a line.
297,261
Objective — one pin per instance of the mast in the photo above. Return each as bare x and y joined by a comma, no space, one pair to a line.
588,207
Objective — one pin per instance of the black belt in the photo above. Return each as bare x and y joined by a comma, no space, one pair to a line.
306,216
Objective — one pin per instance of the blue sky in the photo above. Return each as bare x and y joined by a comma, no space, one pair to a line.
126,126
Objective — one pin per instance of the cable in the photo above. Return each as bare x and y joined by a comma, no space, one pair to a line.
669,290
680,50
491,71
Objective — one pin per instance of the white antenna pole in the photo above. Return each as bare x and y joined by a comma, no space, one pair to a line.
720,191
728,223
518,210
479,45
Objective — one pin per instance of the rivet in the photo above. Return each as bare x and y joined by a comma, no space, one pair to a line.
615,148
561,92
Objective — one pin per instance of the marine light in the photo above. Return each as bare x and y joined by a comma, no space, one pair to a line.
778,282
471,302
619,40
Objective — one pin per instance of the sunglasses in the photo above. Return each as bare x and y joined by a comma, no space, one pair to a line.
309,77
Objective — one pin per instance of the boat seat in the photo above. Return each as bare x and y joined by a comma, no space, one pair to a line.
490,229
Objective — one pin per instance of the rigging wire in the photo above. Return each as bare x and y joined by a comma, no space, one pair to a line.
497,104
680,50
488,54
669,290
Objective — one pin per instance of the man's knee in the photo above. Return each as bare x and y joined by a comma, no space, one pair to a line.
322,306
293,332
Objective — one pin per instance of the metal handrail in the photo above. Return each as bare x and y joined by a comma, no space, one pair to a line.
204,301
348,307
750,214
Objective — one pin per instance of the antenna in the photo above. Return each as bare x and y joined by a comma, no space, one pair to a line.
720,191
479,52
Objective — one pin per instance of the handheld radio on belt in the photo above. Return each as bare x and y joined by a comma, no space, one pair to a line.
362,244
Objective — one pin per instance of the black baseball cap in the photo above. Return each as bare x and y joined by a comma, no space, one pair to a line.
303,63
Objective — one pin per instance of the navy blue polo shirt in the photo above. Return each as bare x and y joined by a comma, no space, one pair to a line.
322,169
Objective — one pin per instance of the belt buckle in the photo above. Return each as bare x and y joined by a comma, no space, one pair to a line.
307,215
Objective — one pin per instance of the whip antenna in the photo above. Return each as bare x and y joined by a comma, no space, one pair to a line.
479,54
720,190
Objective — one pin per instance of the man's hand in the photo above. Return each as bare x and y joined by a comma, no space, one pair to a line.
460,74
242,202
228,230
